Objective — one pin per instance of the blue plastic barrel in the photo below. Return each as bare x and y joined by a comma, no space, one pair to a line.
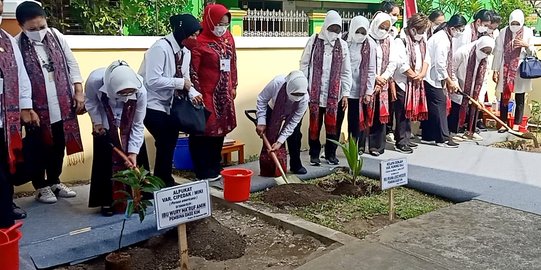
182,159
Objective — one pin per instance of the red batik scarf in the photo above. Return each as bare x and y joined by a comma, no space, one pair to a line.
363,83
10,102
511,57
64,94
450,71
472,85
415,101
385,45
334,87
474,33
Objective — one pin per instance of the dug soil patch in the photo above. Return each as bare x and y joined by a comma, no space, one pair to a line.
211,240
296,195
358,190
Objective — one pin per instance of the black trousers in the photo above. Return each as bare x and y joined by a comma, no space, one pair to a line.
453,118
165,133
101,184
6,187
376,137
519,109
436,127
293,144
402,132
390,125
354,129
206,153
45,159
330,148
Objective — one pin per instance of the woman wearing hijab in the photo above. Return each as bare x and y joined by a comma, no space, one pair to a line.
440,81
411,99
326,63
214,63
166,72
363,69
513,44
280,108
386,62
116,101
470,64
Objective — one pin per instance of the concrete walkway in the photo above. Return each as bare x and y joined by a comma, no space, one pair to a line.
471,235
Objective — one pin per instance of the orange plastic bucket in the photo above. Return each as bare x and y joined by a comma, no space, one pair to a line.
9,247
237,184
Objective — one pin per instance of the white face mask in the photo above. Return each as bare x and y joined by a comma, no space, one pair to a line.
381,34
480,55
482,29
332,35
394,19
294,98
490,31
219,30
359,38
455,33
36,36
514,28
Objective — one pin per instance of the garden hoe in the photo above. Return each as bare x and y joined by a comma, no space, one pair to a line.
285,179
524,135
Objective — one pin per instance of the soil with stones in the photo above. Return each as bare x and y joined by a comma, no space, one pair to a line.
263,247
296,195
360,228
358,189
520,145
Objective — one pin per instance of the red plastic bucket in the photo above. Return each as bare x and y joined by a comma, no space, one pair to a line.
237,184
523,127
9,250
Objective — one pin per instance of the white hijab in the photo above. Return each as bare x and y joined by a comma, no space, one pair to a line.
516,16
374,30
119,76
296,83
483,42
356,23
332,18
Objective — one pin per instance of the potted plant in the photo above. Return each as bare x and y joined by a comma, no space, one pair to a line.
139,181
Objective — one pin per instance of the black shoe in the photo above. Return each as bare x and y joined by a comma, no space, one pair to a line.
18,213
374,152
333,161
107,211
461,129
403,149
481,126
361,151
301,171
412,145
314,161
449,144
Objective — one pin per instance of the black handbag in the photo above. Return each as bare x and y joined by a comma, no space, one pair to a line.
530,68
189,118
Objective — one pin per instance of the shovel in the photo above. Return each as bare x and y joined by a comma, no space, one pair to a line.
251,114
123,156
524,135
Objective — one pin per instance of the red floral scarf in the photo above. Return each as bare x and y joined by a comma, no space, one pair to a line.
64,93
385,45
472,85
511,58
415,101
363,85
450,71
318,49
10,102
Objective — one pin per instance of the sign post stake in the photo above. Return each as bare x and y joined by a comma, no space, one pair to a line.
183,247
391,204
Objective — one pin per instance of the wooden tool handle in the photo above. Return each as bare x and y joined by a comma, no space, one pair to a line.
124,157
273,156
497,119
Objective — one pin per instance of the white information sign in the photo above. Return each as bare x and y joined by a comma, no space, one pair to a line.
181,204
394,173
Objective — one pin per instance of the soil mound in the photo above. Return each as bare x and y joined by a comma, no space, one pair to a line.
296,195
360,189
211,240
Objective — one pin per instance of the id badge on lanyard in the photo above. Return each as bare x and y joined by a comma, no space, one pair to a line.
225,64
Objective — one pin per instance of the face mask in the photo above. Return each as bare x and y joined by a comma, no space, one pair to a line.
480,55
36,36
394,19
359,38
490,31
0,19
434,27
294,98
482,29
455,33
381,34
332,35
219,30
190,43
514,28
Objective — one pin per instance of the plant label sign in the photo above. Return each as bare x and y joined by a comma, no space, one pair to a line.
394,173
181,204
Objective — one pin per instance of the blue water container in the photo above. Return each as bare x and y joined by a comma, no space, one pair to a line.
182,159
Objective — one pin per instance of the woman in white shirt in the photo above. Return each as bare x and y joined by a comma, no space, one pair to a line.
363,67
513,44
411,70
326,63
386,62
439,81
116,101
479,27
471,68
437,17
